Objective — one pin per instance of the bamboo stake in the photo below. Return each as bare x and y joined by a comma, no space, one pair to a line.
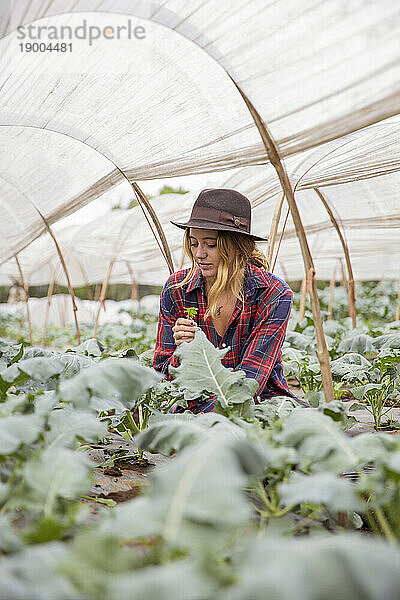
165,250
64,266
398,304
344,278
26,290
273,155
352,289
274,230
134,289
103,296
303,291
46,315
97,292
331,293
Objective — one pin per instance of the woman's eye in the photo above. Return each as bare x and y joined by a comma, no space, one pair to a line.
212,245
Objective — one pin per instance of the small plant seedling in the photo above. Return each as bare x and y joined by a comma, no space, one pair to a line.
191,312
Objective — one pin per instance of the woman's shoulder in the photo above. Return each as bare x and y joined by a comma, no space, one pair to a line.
176,278
271,283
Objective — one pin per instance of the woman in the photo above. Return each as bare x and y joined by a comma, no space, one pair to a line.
239,304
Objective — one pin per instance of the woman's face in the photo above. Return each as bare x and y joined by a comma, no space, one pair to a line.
203,243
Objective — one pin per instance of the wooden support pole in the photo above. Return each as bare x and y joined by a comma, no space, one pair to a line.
164,247
303,292
273,155
274,230
64,266
134,289
351,288
344,278
26,290
332,292
103,296
48,303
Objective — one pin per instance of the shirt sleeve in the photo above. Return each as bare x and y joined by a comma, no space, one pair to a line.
263,346
165,343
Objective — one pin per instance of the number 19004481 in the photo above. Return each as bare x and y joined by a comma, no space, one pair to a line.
43,47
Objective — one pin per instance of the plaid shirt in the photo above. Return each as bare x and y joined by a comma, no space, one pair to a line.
255,334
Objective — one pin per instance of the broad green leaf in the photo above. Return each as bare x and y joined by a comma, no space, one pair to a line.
74,363
41,368
9,540
273,409
174,432
346,566
322,446
12,404
180,580
10,352
18,430
196,500
32,575
33,352
11,376
356,406
320,488
44,402
350,366
90,347
201,370
146,357
337,411
361,391
54,473
92,560
119,378
67,424
301,341
387,340
359,343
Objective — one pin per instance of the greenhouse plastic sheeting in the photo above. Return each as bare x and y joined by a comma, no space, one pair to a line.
166,105
366,211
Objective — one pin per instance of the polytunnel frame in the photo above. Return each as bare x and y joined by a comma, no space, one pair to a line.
273,155
64,266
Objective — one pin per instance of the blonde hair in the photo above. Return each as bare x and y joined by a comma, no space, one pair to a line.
245,251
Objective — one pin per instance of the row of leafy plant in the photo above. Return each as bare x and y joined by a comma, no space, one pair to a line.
364,360
269,500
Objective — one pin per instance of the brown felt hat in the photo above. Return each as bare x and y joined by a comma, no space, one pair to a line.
221,209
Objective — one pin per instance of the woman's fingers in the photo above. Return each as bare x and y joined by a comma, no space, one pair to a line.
185,322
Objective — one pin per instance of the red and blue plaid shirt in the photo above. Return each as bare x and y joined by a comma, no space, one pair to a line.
255,333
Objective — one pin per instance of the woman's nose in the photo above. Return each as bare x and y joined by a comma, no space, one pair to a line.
201,252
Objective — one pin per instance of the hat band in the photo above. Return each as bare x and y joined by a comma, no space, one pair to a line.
220,217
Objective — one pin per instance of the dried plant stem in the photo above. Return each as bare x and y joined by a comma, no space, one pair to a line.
351,289
164,248
274,230
303,292
273,155
26,290
332,292
102,296
48,303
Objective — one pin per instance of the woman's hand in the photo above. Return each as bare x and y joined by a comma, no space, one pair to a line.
184,331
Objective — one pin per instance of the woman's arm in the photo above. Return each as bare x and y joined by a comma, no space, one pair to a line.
264,343
165,342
